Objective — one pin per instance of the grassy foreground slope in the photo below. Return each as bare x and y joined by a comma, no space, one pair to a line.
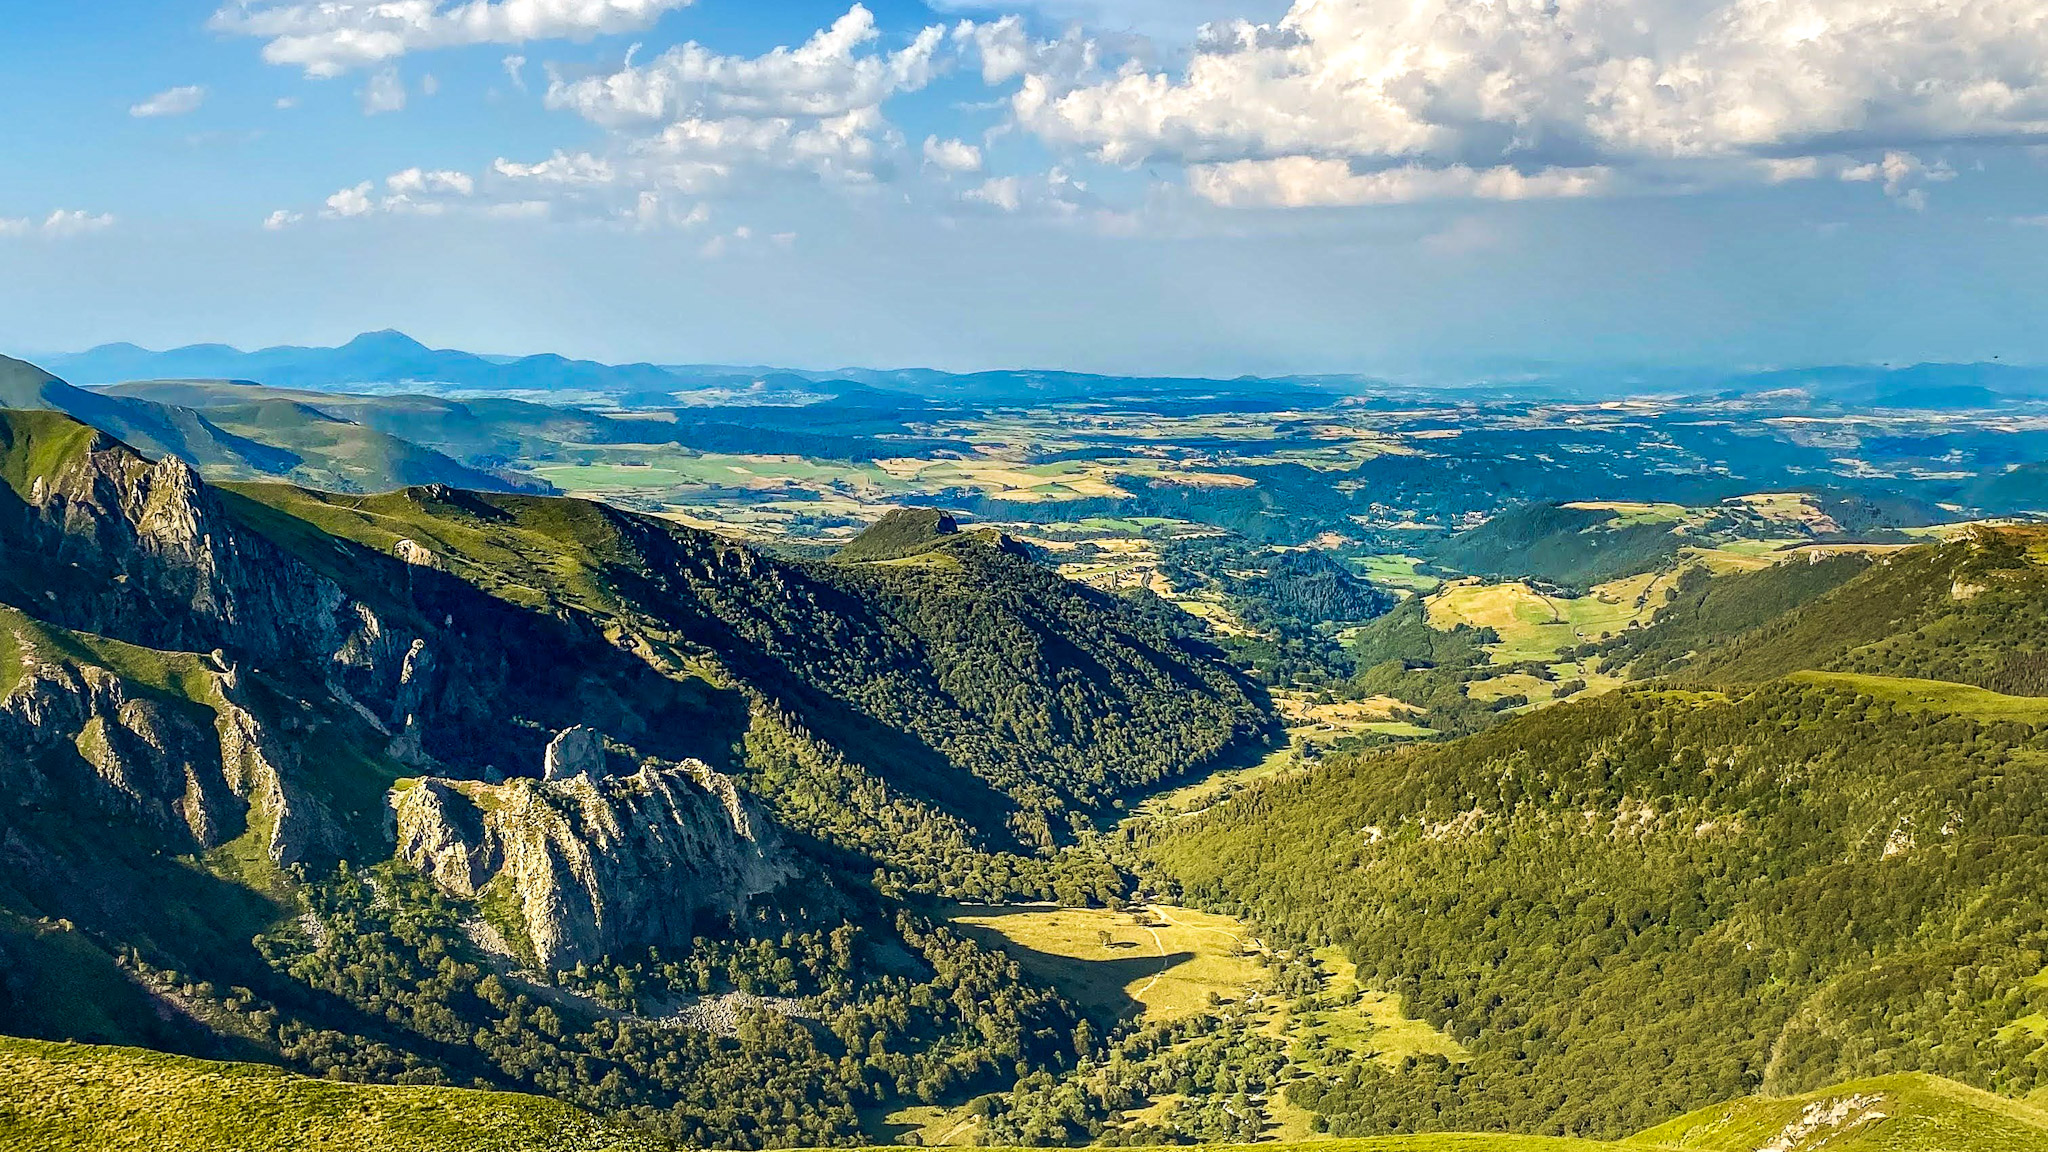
1906,1113
66,1097
74,1098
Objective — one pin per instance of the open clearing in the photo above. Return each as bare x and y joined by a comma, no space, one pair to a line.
1169,962
1347,1021
1535,626
1161,961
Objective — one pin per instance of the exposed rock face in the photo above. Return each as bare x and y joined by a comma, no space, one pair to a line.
112,544
156,560
577,751
595,864
195,773
147,553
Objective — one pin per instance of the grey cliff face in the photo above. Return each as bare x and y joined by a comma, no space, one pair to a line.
595,864
147,553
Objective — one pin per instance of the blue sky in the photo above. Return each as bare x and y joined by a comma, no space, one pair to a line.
1212,186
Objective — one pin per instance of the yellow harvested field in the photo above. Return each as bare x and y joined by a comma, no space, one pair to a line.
1790,508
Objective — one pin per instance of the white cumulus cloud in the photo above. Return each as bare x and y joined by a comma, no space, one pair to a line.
691,124
330,37
415,181
1004,193
171,102
828,75
1306,182
384,93
697,122
951,155
351,202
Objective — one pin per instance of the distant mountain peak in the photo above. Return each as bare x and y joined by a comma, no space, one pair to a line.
385,340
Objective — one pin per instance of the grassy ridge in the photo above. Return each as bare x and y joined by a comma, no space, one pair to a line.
1940,697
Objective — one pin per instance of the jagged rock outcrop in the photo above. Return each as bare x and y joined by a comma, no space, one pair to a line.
595,865
155,560
147,553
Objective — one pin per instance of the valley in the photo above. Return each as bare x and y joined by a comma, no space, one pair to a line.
1083,575
852,767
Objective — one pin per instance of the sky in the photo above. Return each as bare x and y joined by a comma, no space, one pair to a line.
1215,187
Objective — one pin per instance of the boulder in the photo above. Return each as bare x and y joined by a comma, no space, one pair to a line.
577,751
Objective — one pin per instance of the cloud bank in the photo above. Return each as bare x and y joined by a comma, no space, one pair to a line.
1367,101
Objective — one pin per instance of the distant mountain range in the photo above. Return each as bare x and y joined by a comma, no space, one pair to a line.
391,359
372,358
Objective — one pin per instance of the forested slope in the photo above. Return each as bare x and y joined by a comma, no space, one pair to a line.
1633,906
1968,610
1815,852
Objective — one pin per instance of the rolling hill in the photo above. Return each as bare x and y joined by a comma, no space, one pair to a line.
158,429
249,438
70,1098
1902,1113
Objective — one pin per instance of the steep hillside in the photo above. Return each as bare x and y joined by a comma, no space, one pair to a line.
443,787
977,681
1968,611
1707,612
1640,904
249,437
340,454
1561,544
903,532
158,429
490,433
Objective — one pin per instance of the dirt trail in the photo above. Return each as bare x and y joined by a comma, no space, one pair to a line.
1159,943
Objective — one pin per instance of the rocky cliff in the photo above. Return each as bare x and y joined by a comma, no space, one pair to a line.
168,741
593,863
